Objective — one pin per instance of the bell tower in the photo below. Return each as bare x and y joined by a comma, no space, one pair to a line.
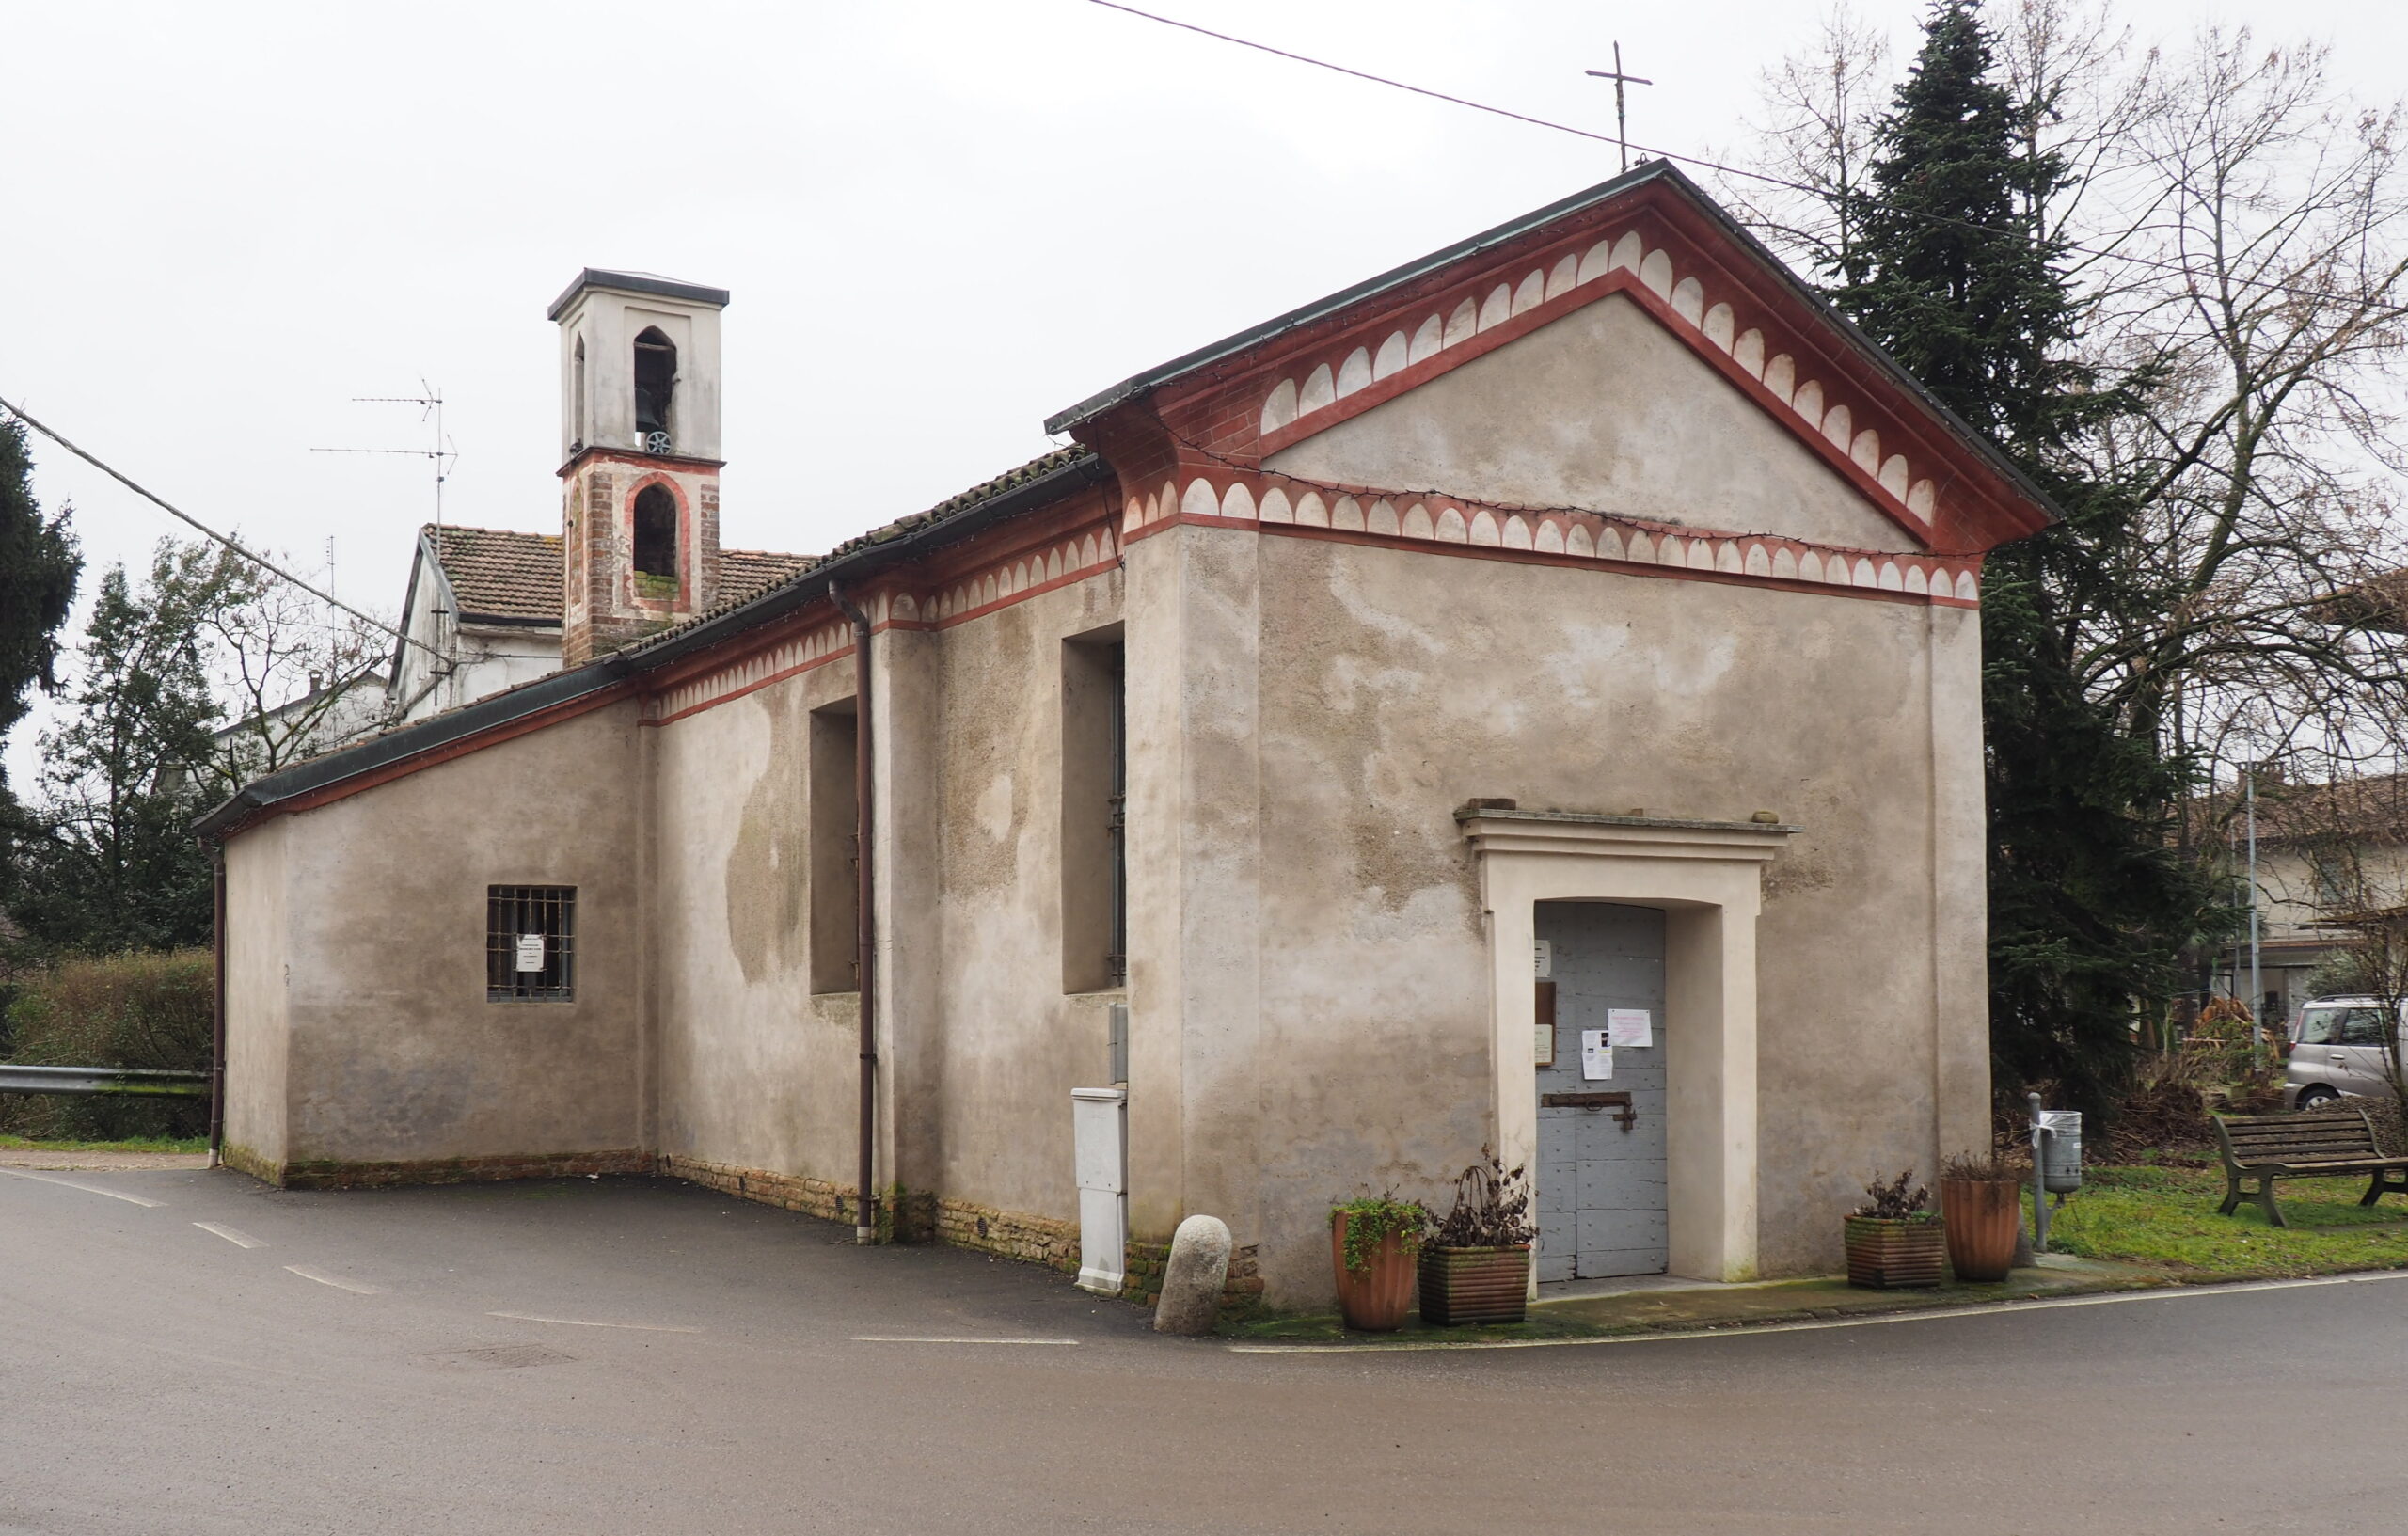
639,462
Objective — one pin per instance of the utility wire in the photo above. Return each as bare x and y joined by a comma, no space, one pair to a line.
260,561
1691,159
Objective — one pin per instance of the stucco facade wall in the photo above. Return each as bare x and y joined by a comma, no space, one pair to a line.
257,1025
393,1053
753,1069
978,1044
994,1095
1395,686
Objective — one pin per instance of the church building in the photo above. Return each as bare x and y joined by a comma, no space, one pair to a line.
1529,699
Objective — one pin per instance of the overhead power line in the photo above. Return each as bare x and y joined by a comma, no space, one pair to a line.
1700,161
258,560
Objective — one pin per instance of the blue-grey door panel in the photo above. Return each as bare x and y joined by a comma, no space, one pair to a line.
1601,1172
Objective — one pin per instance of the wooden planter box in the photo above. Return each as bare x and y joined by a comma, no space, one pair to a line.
1474,1284
1894,1255
1983,1215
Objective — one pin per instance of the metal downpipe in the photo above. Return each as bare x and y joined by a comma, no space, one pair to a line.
865,915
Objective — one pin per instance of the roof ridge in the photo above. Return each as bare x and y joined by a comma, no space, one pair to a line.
499,532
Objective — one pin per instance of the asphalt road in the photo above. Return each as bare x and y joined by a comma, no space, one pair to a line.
628,1356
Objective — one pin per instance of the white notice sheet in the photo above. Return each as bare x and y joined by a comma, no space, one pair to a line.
1596,1056
1632,1027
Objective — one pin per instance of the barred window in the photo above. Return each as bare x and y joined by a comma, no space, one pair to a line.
531,943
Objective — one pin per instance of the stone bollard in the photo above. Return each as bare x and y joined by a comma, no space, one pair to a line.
1192,1281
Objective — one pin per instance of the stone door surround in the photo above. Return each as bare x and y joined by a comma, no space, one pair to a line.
1706,877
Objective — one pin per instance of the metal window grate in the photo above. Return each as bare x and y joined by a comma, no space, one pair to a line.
531,943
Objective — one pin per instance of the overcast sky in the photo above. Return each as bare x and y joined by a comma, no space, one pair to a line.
940,222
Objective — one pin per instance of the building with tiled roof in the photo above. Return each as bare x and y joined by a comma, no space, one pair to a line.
1527,701
487,604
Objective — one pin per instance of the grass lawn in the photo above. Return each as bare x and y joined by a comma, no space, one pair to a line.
137,1143
2168,1215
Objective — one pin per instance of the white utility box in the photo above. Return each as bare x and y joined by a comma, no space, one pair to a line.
1099,1140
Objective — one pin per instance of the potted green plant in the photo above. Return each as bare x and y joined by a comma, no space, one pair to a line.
1373,1241
1476,1266
1981,1202
1894,1239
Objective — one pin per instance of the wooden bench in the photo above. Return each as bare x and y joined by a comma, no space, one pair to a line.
2316,1144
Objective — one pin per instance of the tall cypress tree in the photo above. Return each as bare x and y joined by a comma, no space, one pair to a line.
39,568
1953,272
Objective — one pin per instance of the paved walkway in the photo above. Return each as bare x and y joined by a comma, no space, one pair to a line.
194,1351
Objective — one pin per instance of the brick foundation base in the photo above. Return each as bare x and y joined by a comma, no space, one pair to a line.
1241,1293
1036,1240
458,1170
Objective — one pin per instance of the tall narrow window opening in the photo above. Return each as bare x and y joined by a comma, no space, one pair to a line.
655,387
531,943
577,400
656,541
1095,780
835,851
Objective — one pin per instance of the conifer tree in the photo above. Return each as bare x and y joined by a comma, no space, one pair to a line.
39,567
1951,272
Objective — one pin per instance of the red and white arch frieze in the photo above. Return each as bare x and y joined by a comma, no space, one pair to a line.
1368,365
1271,502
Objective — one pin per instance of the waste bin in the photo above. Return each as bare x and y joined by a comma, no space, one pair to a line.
2061,1150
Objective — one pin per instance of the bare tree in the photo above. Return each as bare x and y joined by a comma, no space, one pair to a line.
2239,231
296,677
1813,142
2264,295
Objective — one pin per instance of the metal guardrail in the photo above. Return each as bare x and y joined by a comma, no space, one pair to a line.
16,1078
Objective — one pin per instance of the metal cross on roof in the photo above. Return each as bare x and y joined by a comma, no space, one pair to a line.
1621,120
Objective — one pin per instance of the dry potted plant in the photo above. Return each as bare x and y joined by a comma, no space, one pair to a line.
1373,1241
1476,1267
1981,1201
1895,1238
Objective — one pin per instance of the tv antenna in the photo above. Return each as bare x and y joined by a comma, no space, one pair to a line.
1622,119
439,451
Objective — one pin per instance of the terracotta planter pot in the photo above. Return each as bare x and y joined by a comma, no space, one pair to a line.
1474,1284
1375,1298
1983,1215
1893,1255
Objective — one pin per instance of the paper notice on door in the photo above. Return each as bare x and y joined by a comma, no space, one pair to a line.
1596,1056
1631,1028
1543,957
531,952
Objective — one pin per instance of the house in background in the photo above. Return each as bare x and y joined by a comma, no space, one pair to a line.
487,603
2332,861
1585,603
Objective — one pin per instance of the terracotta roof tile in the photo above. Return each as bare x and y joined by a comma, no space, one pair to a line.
745,574
953,506
499,574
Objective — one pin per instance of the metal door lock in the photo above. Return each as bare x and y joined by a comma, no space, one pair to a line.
1628,1118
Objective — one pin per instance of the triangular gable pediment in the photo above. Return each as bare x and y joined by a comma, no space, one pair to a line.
1650,243
1604,409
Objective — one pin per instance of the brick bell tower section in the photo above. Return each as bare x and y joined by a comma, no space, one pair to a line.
639,384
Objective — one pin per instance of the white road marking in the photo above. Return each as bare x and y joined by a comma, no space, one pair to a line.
586,1322
893,1339
240,1239
325,1279
1928,1314
88,1189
